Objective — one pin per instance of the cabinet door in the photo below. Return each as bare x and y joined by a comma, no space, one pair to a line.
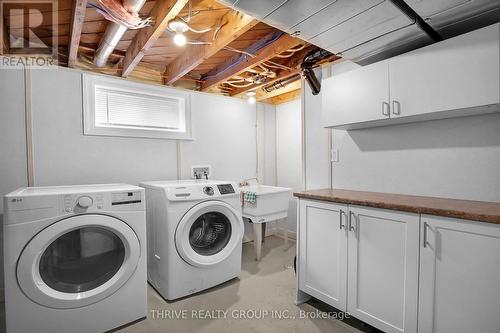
323,251
383,268
460,72
459,276
357,96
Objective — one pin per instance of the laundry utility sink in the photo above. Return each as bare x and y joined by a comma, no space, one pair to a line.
271,204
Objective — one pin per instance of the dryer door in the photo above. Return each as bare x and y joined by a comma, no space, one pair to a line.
78,261
209,233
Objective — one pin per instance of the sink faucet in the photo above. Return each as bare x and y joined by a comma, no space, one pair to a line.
245,182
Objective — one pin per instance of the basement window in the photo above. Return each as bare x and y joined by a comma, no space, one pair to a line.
115,107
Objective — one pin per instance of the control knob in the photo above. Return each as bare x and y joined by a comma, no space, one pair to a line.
208,190
84,202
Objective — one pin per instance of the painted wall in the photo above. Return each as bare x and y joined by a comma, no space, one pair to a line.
289,152
317,140
13,172
226,134
454,158
64,156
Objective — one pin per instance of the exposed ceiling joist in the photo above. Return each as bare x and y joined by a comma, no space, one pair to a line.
162,13
93,47
77,19
283,98
234,25
293,63
283,43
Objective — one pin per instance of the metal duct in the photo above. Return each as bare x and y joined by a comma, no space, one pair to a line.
408,11
114,33
281,83
311,59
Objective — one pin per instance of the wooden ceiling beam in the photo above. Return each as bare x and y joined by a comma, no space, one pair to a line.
234,25
162,12
283,43
77,20
283,98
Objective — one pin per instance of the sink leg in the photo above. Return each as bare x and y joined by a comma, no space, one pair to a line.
285,232
263,232
257,243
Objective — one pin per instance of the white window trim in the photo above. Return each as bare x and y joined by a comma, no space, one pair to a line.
89,84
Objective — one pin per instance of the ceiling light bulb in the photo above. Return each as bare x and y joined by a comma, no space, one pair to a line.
180,39
251,100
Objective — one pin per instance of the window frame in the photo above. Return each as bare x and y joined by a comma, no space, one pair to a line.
91,82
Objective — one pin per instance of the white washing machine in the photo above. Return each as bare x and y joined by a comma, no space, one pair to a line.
75,258
195,233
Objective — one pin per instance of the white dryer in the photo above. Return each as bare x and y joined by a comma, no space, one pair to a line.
75,258
195,233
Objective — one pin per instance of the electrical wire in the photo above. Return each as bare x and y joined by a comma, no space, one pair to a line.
236,63
232,49
272,64
113,10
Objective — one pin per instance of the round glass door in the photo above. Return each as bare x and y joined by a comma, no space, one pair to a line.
82,260
78,261
209,233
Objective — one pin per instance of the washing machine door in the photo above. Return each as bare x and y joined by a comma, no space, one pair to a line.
209,233
78,261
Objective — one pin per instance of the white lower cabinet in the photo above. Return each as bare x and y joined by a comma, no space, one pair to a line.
323,251
361,260
459,276
382,274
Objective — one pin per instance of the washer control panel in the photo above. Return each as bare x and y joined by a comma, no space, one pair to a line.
226,189
124,198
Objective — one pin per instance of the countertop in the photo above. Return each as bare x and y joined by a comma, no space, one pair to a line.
463,209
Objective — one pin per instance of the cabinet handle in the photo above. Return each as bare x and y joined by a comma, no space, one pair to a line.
396,107
425,235
385,109
340,219
351,228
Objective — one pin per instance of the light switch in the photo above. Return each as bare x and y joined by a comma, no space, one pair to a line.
335,155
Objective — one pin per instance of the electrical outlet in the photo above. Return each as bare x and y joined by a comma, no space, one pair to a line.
201,171
335,155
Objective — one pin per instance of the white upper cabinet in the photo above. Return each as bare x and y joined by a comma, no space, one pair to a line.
361,95
456,77
383,268
462,72
459,276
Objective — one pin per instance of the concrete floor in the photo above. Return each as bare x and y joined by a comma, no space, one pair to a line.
265,285
268,285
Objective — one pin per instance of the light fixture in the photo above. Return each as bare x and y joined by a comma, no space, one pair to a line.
179,27
179,39
251,97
